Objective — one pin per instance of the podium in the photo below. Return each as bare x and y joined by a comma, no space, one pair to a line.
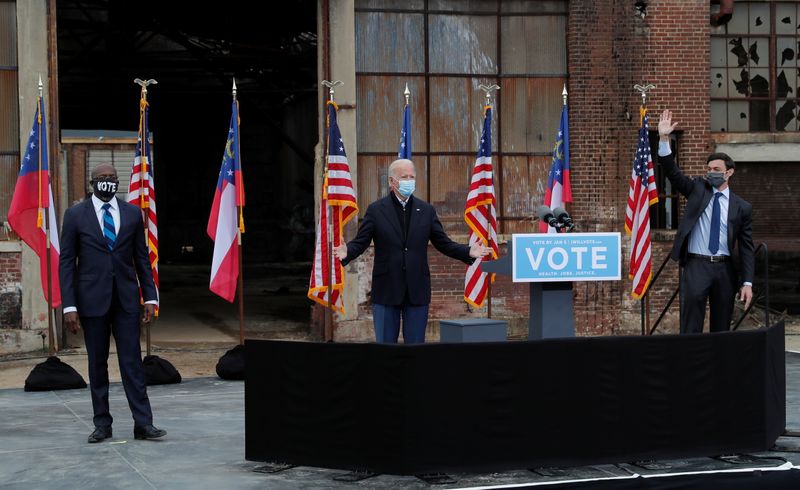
550,312
550,263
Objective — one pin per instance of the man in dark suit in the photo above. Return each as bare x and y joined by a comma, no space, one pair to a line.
401,226
715,222
103,264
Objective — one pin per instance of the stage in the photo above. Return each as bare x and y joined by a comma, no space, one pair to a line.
43,445
500,406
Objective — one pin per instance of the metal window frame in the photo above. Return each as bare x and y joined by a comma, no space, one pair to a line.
772,70
498,155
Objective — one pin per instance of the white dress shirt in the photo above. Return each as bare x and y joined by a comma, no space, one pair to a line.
100,212
698,237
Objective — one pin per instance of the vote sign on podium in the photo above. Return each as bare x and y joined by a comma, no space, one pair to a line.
562,257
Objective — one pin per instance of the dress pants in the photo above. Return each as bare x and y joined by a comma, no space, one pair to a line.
386,319
704,281
97,332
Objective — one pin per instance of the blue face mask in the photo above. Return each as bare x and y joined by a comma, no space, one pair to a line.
406,187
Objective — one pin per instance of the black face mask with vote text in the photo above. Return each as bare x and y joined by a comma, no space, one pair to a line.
105,189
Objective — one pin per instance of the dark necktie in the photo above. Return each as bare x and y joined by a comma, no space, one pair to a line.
108,227
713,237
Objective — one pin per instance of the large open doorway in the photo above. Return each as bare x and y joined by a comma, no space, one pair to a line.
194,53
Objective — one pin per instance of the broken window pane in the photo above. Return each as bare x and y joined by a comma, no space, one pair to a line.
785,119
738,82
759,116
738,116
719,51
785,18
739,21
786,51
759,18
759,82
737,51
719,83
786,83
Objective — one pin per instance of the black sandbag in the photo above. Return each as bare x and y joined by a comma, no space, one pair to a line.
53,374
159,371
231,364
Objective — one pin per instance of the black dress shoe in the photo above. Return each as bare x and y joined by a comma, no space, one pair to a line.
148,432
100,434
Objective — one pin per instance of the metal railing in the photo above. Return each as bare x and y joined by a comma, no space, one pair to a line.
761,246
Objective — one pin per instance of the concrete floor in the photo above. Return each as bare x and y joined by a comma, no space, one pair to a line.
43,445
43,435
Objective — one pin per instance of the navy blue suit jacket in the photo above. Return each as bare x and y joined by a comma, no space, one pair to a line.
402,265
88,269
698,193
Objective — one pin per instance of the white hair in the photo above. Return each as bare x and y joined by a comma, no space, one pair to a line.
393,166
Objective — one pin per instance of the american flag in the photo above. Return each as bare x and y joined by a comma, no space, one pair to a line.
33,197
559,189
225,209
339,194
480,215
642,195
142,191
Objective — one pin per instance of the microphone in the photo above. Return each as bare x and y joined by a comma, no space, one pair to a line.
563,217
546,215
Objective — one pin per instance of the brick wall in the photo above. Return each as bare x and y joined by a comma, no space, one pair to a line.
10,290
769,187
610,50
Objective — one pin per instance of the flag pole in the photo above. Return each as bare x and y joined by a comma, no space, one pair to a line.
564,95
489,89
329,260
44,219
645,300
240,228
144,201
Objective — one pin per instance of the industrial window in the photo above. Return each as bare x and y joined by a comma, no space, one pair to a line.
443,49
754,68
9,106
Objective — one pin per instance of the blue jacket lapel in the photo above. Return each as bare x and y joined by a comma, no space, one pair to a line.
92,222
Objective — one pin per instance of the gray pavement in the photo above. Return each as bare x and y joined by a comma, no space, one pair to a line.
43,435
43,445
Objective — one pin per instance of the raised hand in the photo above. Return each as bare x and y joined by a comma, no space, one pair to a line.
665,124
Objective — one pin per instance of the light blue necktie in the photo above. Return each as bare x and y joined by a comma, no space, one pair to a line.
713,234
108,227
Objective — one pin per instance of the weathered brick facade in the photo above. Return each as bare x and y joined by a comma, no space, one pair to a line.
610,49
10,291
10,299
